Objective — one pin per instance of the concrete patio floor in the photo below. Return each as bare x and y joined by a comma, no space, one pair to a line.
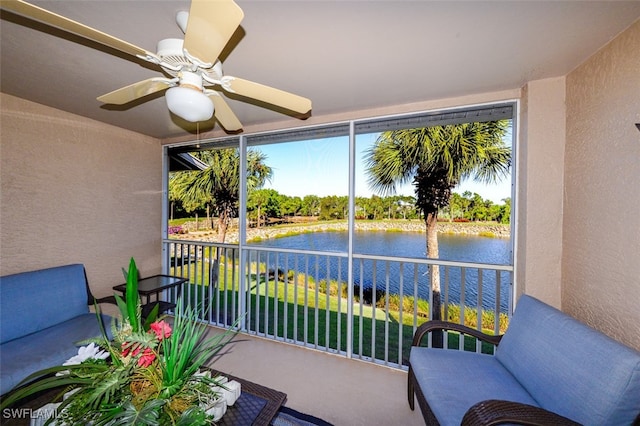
339,390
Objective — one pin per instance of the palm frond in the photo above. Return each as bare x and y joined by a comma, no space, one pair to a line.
451,152
45,383
104,388
148,415
192,416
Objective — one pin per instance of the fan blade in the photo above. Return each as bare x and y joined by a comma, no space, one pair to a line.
266,94
42,15
136,90
211,24
223,113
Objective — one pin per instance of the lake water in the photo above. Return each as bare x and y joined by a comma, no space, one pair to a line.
463,248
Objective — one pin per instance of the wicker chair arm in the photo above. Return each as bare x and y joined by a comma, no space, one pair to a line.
435,325
495,412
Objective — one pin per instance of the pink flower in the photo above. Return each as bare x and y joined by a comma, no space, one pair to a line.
126,349
162,329
146,358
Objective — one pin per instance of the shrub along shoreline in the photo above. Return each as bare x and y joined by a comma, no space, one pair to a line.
485,229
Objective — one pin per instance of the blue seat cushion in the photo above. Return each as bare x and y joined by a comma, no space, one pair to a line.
453,381
570,368
46,348
32,301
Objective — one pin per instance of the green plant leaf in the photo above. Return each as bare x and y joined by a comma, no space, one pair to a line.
122,305
46,381
187,349
132,297
152,316
148,415
193,416
105,386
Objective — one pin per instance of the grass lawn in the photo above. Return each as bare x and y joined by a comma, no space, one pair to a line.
291,311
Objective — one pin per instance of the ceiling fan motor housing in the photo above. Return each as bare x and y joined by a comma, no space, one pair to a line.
170,47
172,56
190,80
170,50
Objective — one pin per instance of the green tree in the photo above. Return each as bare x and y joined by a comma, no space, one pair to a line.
333,207
264,203
310,205
219,183
478,208
505,211
435,159
178,184
376,207
456,206
290,206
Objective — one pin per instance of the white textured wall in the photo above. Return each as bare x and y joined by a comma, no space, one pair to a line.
539,199
601,256
74,190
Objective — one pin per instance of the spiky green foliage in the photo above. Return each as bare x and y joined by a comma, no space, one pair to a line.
188,349
150,378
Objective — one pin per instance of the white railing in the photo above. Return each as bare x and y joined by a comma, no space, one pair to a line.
302,297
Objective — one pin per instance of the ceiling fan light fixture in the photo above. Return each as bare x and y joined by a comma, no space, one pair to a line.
189,104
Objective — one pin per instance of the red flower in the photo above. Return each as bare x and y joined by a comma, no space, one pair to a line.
162,329
126,349
147,358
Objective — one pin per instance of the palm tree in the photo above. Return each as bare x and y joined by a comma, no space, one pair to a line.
219,184
435,159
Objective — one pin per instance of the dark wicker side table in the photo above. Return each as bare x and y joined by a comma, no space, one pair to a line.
257,405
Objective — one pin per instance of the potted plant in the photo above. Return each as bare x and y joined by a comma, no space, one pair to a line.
148,373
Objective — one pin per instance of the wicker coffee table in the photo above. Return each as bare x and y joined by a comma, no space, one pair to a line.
257,405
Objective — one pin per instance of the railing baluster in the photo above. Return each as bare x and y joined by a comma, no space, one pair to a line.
256,299
400,315
386,313
373,312
415,297
361,313
463,280
248,295
285,316
496,306
295,298
269,305
327,317
339,315
306,300
479,310
445,295
316,316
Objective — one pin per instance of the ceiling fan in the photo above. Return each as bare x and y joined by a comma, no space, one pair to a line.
196,78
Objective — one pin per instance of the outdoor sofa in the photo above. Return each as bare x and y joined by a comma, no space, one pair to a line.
43,315
547,369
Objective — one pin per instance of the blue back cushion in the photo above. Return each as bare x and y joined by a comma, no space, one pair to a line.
32,301
570,368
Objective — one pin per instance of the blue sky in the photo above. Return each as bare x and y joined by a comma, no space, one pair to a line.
321,167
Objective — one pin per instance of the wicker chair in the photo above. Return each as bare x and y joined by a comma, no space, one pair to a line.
489,412
468,388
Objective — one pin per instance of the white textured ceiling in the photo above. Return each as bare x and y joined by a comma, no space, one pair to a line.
343,55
